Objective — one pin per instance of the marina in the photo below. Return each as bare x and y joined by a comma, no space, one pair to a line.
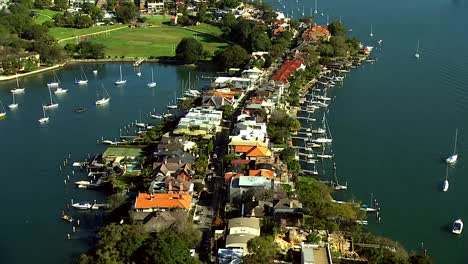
70,134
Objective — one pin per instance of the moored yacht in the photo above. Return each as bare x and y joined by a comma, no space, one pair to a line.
457,227
82,205
453,159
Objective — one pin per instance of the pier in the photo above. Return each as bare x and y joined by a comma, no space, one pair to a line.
138,62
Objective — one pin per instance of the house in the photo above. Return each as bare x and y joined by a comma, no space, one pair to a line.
230,255
127,158
288,212
316,33
252,152
235,82
146,202
288,68
204,121
169,178
216,101
253,74
158,221
240,231
241,184
315,254
154,6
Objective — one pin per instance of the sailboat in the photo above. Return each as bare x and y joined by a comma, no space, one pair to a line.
141,124
104,99
371,34
138,73
2,110
45,118
457,227
452,159
51,104
60,90
173,106
445,186
152,83
17,89
82,80
95,72
417,51
14,104
55,83
121,81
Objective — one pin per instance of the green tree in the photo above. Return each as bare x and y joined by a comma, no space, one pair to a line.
90,50
262,249
337,28
229,157
259,41
41,4
200,165
83,21
417,259
228,3
70,49
61,4
34,31
189,51
326,50
202,15
232,56
340,47
126,12
166,247
228,111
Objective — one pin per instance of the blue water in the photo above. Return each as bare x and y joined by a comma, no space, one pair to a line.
394,121
34,193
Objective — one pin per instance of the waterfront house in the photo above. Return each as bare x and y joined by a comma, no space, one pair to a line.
169,178
316,34
287,69
241,184
217,101
235,82
149,202
288,212
252,152
253,74
240,230
200,121
315,254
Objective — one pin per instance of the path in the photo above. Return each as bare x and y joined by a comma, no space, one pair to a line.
94,33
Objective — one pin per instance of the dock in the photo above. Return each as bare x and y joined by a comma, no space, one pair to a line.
138,62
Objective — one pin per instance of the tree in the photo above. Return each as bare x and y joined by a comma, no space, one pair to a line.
228,111
189,51
417,259
326,50
202,15
241,31
229,157
228,3
70,49
262,249
83,21
200,165
259,41
232,56
126,12
61,4
337,28
34,31
166,247
90,50
41,4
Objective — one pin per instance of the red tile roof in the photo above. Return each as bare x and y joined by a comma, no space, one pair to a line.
286,70
315,32
163,200
262,172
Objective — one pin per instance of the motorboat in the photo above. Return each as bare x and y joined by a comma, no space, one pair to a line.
109,142
80,110
142,125
457,227
368,209
172,106
417,51
67,218
453,158
2,110
445,186
83,183
156,116
322,140
324,156
82,205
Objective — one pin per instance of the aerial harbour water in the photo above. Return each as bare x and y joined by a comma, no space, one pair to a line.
33,154
393,122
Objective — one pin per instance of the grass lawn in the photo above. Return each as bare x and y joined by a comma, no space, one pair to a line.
207,28
156,19
61,32
44,15
155,41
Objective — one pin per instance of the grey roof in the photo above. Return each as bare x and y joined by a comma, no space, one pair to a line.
238,239
244,222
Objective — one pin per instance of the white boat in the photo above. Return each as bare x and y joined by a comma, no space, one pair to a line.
142,125
445,186
322,140
371,34
138,74
60,90
17,89
319,131
55,83
320,97
173,106
315,10
82,205
457,227
167,115
121,80
152,83
368,209
83,183
192,93
417,51
380,42
52,104
339,187
82,80
453,159
13,105
362,222
104,99
2,110
324,156
95,72
44,119
109,142
156,116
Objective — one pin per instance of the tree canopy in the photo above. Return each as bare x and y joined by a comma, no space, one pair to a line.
189,51
337,28
262,249
231,56
126,12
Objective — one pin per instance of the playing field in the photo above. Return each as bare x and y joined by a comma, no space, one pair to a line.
152,41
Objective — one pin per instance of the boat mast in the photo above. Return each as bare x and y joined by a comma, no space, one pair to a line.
17,82
120,73
152,75
455,145
43,111
50,94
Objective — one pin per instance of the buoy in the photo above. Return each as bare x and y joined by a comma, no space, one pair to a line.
78,222
68,177
68,236
73,172
65,181
74,229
